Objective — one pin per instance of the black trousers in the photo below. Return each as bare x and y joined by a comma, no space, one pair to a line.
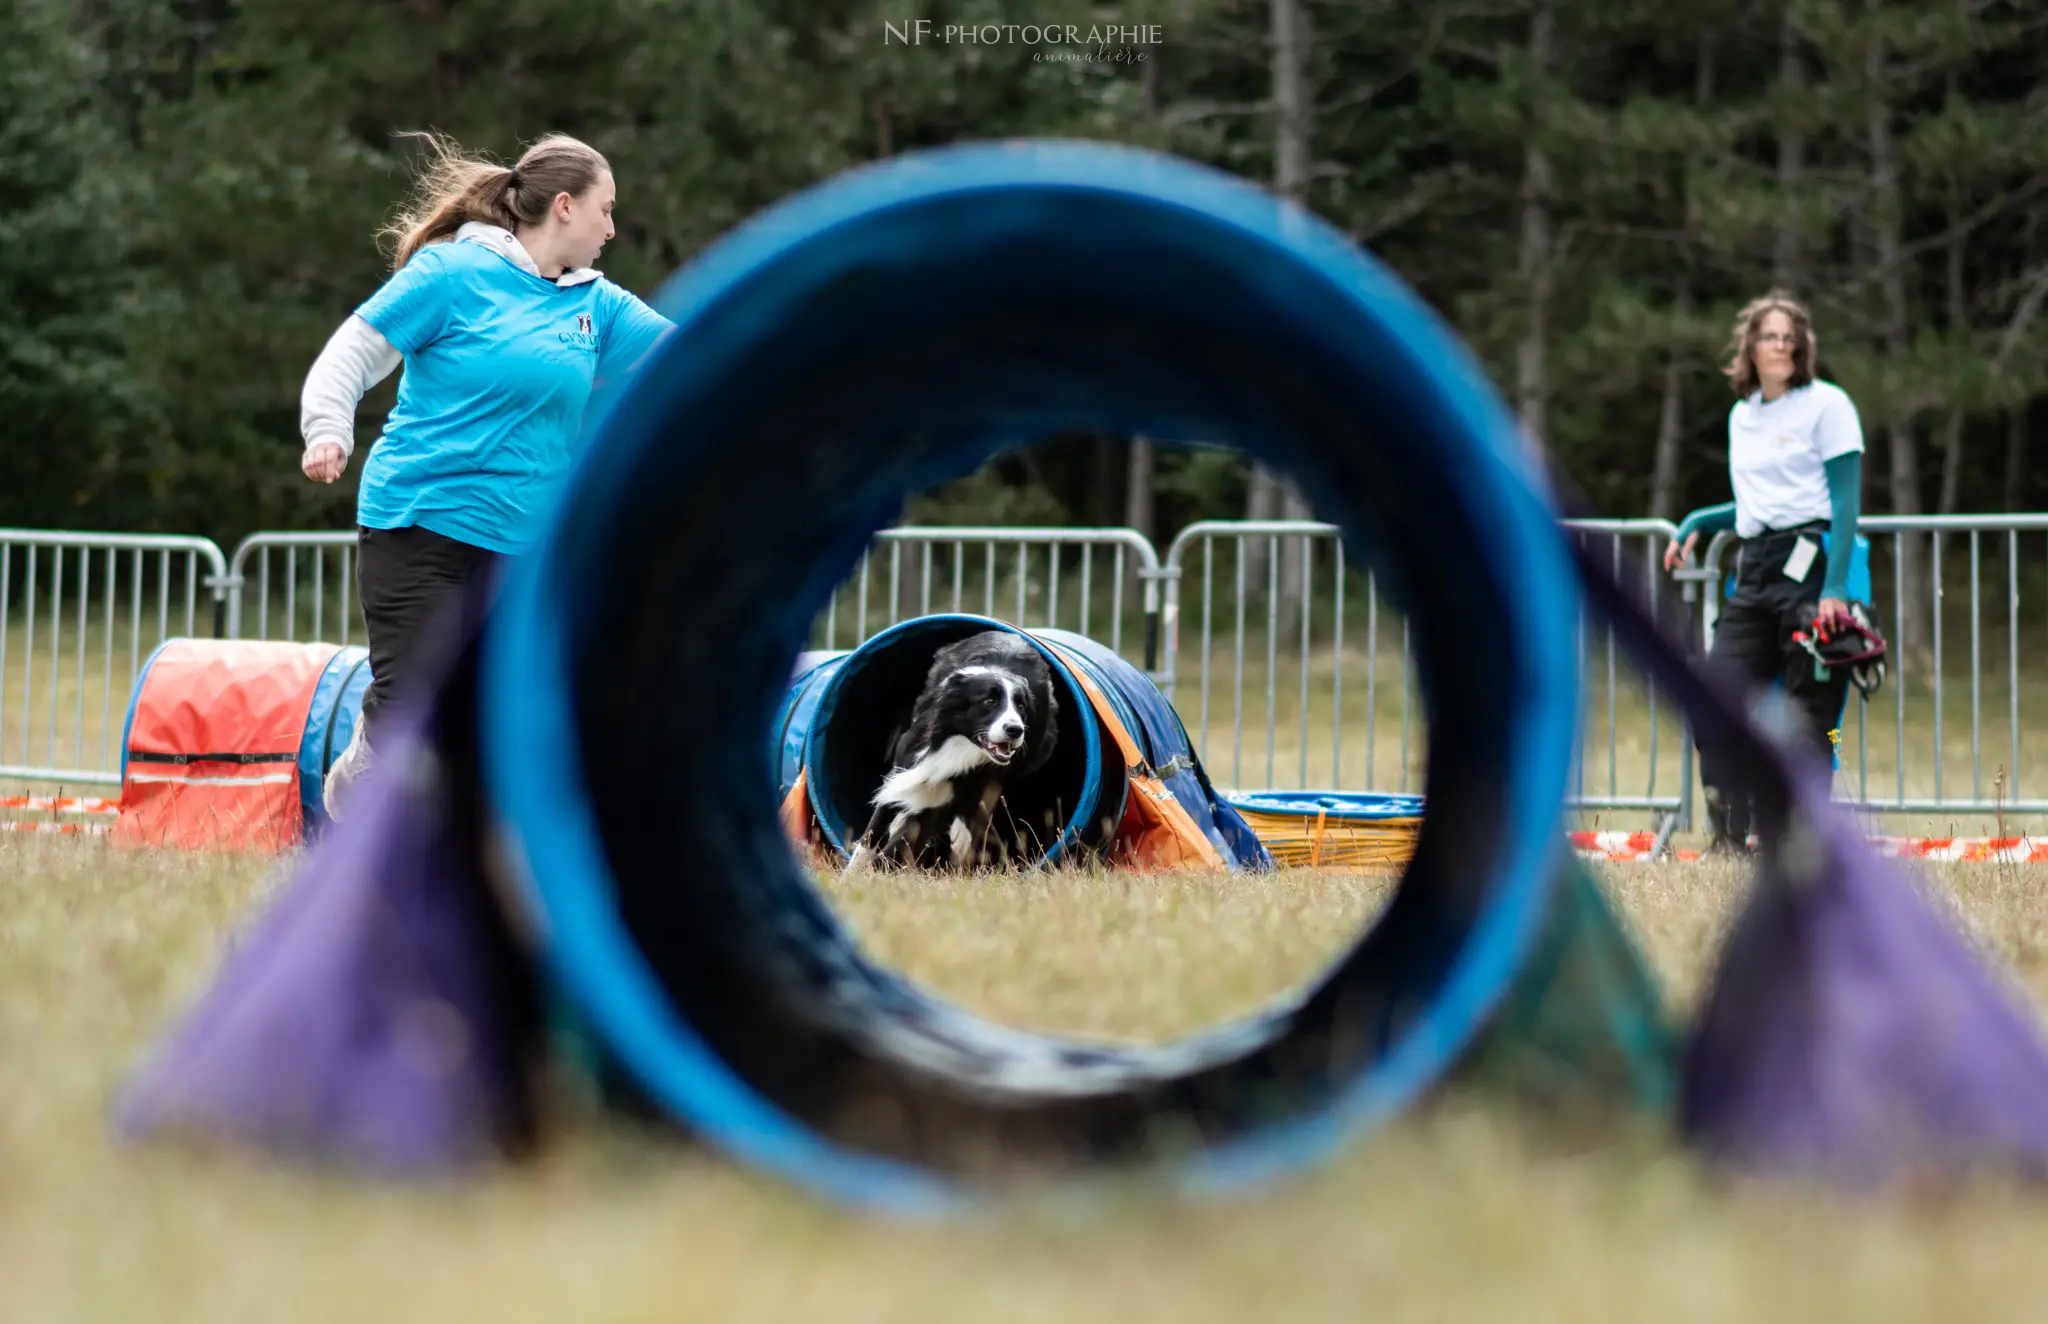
410,581
1753,639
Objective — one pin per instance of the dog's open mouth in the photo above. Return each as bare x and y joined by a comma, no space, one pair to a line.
1001,751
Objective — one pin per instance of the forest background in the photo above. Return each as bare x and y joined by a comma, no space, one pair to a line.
190,192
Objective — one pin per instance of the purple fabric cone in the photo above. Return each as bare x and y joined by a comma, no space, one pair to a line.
1851,1034
373,1017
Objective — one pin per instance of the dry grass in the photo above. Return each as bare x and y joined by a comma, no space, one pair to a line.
1460,1214
1129,956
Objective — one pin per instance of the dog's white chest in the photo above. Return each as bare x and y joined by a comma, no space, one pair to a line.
928,783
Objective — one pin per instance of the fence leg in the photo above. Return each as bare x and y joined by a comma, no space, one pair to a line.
1162,595
1662,846
1685,778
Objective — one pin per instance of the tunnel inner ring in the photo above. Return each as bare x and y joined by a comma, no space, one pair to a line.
880,334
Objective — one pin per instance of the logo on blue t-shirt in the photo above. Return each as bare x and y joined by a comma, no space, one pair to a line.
584,336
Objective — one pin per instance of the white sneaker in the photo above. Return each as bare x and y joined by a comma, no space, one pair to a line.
347,770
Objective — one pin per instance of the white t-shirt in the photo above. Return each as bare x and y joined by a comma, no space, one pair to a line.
1776,450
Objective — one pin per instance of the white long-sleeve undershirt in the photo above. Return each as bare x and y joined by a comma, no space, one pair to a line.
356,357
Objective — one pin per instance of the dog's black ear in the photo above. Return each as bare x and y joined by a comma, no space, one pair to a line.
902,748
1045,731
924,709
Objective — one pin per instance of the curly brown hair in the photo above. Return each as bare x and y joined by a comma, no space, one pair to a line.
456,187
1741,366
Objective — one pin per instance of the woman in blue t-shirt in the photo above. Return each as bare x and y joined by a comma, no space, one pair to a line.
1795,462
504,329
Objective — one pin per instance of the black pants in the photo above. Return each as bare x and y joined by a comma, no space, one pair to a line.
1753,639
409,579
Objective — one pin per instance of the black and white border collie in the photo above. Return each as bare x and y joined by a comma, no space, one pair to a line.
985,717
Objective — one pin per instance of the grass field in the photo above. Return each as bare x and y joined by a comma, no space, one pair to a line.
1457,1214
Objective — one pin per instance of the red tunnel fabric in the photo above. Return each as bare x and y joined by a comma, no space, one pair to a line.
212,750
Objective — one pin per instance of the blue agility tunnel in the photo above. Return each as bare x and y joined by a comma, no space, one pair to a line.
792,729
1163,741
1122,752
883,332
892,329
330,724
847,717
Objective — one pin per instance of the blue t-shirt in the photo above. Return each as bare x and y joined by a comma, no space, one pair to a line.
499,364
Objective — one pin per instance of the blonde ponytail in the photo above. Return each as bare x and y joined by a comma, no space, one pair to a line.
456,187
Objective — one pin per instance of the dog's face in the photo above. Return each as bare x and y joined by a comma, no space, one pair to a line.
992,707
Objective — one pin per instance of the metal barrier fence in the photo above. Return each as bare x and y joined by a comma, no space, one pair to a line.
298,584
1910,564
1109,579
1100,582
1286,663
76,623
1287,601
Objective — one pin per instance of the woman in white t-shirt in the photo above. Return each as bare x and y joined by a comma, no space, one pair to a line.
1795,455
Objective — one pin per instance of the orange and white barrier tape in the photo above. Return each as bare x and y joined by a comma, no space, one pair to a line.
1627,846
60,804
65,829
2007,850
1621,846
67,811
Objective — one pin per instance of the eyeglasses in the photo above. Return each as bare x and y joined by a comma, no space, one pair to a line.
1788,340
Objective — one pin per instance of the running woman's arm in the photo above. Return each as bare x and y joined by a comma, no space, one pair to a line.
356,358
402,317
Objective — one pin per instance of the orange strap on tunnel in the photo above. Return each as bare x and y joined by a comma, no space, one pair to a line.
1157,831
801,826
